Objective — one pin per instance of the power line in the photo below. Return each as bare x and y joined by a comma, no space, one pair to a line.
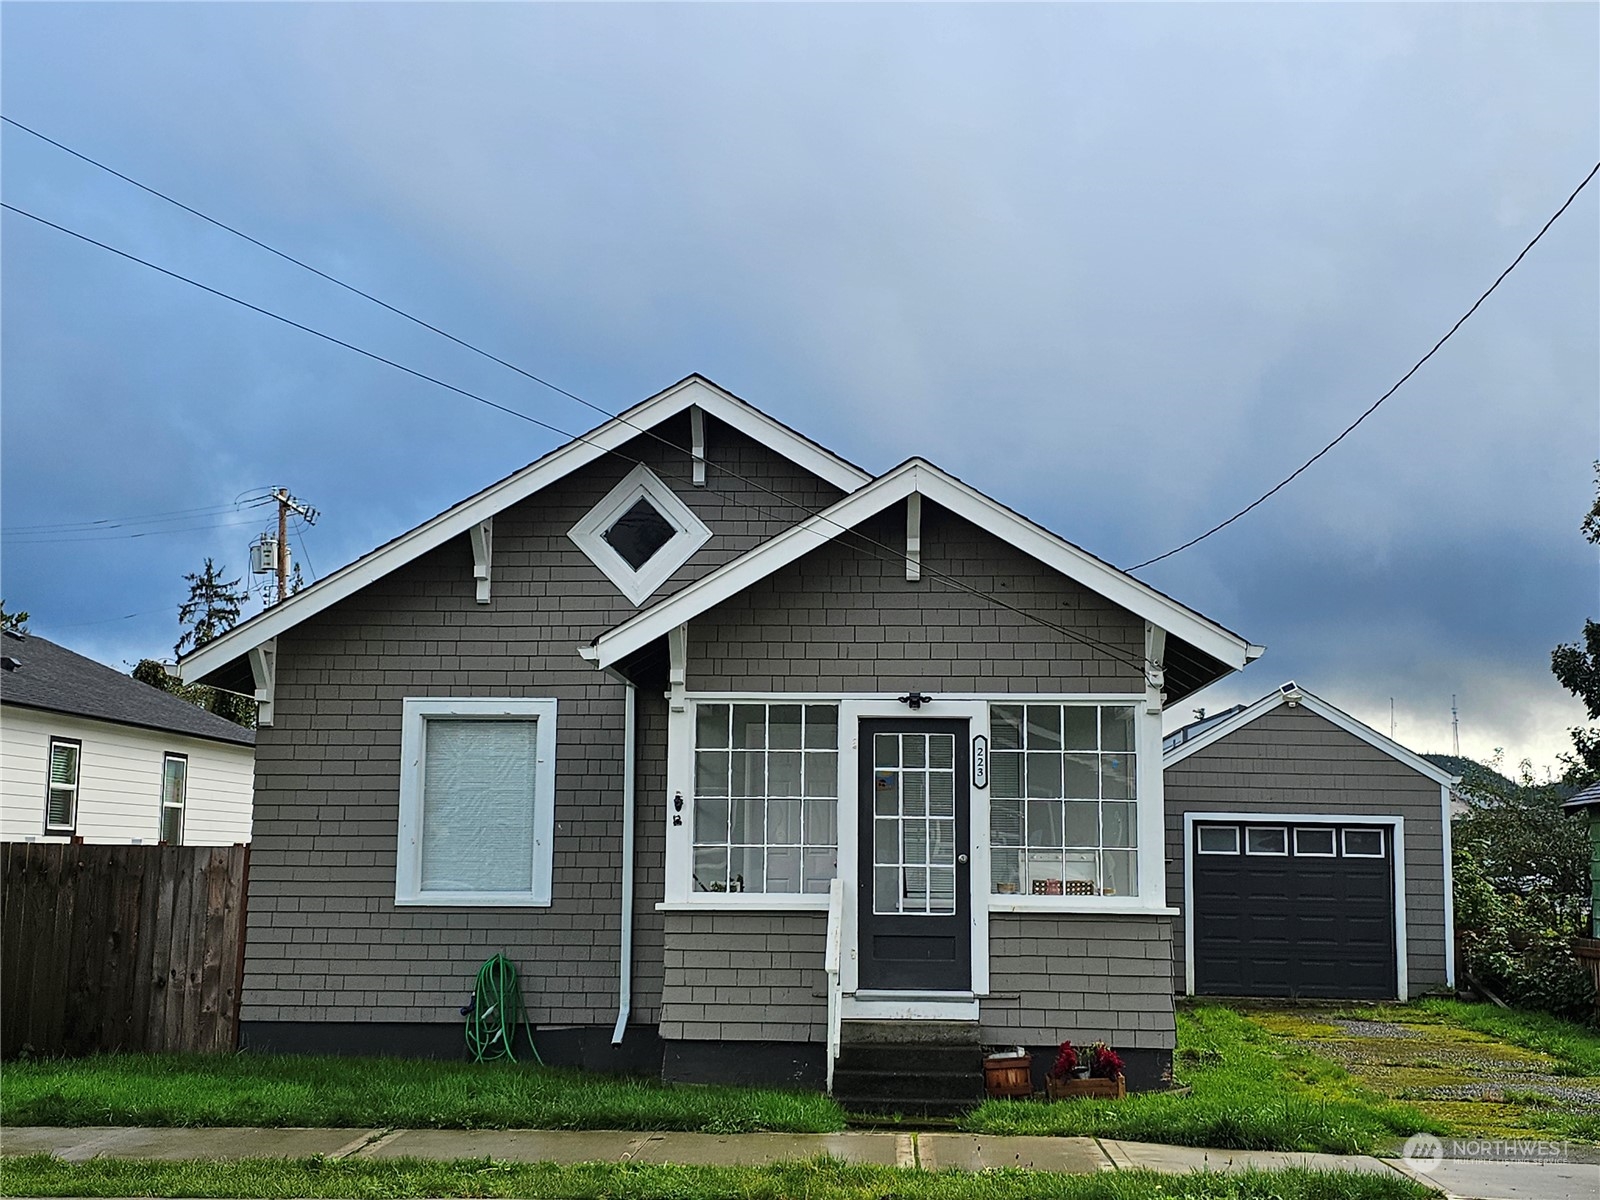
1288,479
476,350
91,525
52,539
898,556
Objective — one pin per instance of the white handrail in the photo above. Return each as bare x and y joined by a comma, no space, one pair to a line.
834,957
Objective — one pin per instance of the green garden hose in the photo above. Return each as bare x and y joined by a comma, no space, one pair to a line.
495,1011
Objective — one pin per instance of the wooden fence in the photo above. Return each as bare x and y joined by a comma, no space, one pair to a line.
107,948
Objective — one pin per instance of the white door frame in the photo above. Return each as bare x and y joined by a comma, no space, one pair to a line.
1397,842
919,1006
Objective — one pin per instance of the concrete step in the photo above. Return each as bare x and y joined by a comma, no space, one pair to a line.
877,1056
919,1085
909,1033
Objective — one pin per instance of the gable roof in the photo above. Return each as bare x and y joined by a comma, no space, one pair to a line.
917,475
52,678
1588,798
1292,694
693,391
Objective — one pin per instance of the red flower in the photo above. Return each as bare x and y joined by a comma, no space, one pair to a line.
1066,1061
1106,1064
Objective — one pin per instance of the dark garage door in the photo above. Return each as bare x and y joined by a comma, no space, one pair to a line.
1293,910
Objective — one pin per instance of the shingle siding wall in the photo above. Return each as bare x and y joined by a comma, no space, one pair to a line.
844,619
326,941
1292,760
1088,978
745,977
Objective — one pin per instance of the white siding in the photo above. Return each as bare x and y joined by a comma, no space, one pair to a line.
119,781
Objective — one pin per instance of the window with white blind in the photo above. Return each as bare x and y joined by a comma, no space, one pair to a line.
1063,812
477,802
61,799
174,791
766,797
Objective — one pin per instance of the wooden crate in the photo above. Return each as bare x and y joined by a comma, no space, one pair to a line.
1092,1089
1008,1077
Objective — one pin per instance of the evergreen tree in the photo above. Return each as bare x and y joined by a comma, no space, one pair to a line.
13,622
213,607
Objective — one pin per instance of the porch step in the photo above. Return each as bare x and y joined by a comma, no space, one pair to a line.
927,1068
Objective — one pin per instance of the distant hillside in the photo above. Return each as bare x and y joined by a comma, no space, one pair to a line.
1474,775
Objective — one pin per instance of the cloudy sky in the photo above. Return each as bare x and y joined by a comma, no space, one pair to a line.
1122,267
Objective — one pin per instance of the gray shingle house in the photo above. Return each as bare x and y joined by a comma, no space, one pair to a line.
741,754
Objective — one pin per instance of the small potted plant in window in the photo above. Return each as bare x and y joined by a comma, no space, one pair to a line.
1096,1073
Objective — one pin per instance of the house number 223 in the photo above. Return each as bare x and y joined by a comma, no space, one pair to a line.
980,762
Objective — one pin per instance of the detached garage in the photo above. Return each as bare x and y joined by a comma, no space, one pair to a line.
1311,855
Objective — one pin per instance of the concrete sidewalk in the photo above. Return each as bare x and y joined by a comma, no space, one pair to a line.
1476,1179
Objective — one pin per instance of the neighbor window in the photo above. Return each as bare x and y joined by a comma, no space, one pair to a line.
174,790
639,534
61,801
766,797
1063,812
477,802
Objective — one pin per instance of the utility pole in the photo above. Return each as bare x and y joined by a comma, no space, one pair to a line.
286,505
1455,728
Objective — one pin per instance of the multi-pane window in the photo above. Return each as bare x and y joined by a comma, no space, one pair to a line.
61,802
174,790
766,797
913,823
1063,809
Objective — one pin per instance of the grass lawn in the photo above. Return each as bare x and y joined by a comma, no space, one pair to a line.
819,1180
1251,1090
260,1089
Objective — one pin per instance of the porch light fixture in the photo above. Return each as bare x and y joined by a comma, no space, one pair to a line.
916,700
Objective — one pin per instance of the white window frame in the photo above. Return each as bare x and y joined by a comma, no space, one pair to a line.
413,748
183,800
1344,843
641,483
1283,829
1200,842
71,827
1333,837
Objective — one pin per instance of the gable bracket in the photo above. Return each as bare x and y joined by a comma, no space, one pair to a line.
264,671
913,537
483,556
678,667
697,440
1155,668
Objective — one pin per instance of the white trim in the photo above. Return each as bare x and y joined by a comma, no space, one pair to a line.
482,556
1076,906
746,902
697,443
917,476
1397,826
263,661
1449,889
1294,696
914,537
851,714
1267,828
694,391
911,1006
1333,840
689,534
1238,842
408,861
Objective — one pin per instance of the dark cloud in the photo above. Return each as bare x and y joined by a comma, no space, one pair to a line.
1121,266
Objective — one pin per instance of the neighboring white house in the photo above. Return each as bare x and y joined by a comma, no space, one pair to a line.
88,752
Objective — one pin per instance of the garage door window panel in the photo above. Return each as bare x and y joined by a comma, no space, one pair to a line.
1219,839
1363,843
1267,841
1312,842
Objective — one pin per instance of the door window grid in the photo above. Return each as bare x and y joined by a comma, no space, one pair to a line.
766,797
913,824
1063,807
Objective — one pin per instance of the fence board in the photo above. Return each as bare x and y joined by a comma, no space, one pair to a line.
111,948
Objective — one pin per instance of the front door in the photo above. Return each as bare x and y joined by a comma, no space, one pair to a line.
915,900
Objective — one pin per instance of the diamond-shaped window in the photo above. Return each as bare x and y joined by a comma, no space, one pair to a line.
639,533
